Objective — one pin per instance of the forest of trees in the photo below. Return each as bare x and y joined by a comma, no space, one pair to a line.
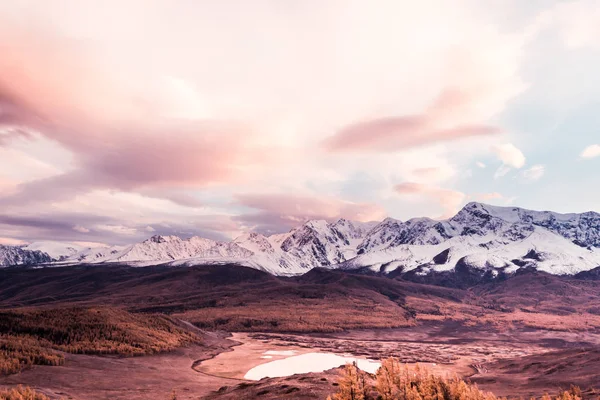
19,353
30,336
395,381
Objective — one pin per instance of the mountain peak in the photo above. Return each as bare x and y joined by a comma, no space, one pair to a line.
162,239
475,205
316,224
507,213
250,237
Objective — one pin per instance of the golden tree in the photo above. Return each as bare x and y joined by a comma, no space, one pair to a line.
353,385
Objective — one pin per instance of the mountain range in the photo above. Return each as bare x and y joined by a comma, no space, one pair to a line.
481,241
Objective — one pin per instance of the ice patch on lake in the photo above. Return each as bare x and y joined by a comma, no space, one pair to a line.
305,363
280,352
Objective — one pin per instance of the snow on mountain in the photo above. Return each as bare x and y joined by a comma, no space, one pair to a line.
163,248
316,243
484,237
256,243
57,250
391,232
268,255
95,254
279,238
18,255
479,237
167,248
583,229
253,249
320,244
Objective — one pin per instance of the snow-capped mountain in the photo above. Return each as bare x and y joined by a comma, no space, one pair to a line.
167,248
320,244
484,237
18,255
498,240
316,243
56,250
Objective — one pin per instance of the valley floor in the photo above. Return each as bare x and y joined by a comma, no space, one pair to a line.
516,362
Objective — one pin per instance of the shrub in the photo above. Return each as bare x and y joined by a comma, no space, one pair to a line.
22,393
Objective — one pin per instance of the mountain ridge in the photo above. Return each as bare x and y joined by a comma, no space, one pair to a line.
490,240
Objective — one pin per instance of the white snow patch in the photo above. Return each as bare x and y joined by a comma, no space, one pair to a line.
305,363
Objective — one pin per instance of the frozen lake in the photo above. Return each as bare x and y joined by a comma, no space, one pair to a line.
305,363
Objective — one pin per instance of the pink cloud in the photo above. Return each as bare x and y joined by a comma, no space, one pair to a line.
280,212
11,241
449,200
433,174
488,196
443,121
60,88
8,134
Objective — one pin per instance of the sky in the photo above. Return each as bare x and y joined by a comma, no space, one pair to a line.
121,119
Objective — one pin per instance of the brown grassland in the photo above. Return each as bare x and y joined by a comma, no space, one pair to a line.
237,298
302,315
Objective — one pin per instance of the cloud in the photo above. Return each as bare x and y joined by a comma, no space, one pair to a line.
533,173
80,229
150,229
433,174
122,137
480,164
449,200
118,229
501,171
7,134
487,196
276,213
60,226
11,241
396,133
591,151
53,226
509,154
577,22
